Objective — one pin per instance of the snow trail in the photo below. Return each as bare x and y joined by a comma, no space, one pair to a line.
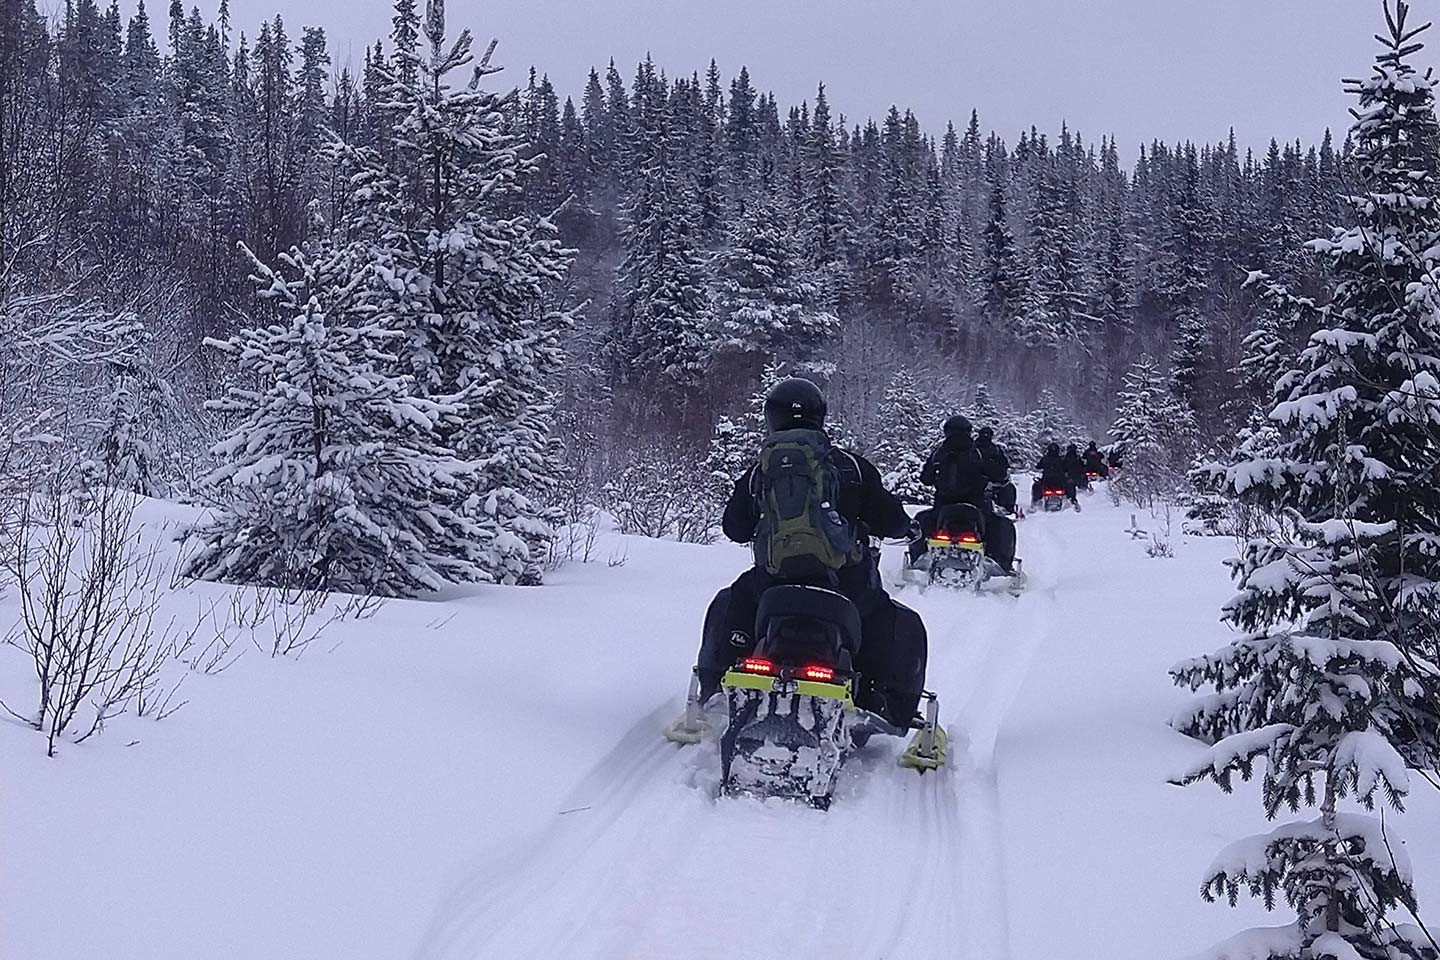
643,860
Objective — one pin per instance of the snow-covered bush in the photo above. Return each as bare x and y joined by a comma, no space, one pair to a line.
336,476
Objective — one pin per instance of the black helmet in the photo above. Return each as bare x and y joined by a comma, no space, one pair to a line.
1053,450
957,428
794,403
1070,451
1091,447
986,434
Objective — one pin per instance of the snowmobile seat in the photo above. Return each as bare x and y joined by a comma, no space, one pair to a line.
959,518
804,620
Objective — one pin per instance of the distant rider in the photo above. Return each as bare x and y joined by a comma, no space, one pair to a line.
1075,468
1003,495
962,471
1095,461
892,652
1052,475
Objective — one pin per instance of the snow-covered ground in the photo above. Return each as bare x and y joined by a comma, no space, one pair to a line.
483,776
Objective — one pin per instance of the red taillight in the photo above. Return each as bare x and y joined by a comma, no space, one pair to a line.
1054,493
969,538
1092,476
819,673
942,536
757,665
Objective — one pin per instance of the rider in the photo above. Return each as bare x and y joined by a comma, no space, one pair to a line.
892,651
1052,474
1003,494
1075,468
1095,461
961,471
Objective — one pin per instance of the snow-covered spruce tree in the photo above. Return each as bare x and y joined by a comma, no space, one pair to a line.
764,302
1328,683
1058,315
1048,423
660,302
907,424
467,278
1012,432
1154,434
127,453
336,475
736,438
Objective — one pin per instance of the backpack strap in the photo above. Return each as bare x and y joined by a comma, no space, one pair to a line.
847,458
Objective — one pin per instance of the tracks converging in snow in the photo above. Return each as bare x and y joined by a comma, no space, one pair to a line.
643,860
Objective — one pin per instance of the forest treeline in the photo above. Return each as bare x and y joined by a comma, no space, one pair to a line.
714,230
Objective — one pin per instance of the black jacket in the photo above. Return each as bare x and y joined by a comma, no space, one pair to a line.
1074,467
961,472
865,502
1094,461
992,452
1052,467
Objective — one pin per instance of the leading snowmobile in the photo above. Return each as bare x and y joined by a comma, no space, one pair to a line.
791,713
954,553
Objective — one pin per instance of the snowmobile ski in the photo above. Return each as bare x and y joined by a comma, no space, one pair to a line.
929,747
690,726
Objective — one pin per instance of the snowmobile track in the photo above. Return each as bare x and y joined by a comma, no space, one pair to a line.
643,860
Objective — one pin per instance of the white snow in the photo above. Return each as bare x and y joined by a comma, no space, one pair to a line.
482,775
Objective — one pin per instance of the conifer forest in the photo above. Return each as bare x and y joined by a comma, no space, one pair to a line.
642,244
353,330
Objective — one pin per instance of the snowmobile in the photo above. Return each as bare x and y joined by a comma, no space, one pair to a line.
792,716
955,551
955,555
1052,498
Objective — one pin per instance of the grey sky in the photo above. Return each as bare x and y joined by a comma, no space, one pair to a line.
1139,69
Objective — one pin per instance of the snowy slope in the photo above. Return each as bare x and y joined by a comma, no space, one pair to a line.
482,776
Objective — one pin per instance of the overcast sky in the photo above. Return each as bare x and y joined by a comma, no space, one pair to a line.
1138,69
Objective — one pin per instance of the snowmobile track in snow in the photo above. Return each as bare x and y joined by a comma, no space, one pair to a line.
643,860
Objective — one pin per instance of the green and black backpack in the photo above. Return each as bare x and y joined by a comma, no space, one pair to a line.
802,534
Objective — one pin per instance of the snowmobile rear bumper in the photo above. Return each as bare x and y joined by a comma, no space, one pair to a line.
844,691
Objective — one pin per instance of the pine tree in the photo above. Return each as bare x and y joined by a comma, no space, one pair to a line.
765,303
826,217
127,454
1048,423
736,438
1057,312
336,476
660,303
1014,434
405,36
467,280
1332,680
903,442
1004,285
1154,434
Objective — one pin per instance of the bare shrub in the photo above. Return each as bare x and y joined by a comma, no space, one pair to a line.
89,593
660,491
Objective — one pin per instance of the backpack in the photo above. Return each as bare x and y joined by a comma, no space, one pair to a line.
961,474
802,534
